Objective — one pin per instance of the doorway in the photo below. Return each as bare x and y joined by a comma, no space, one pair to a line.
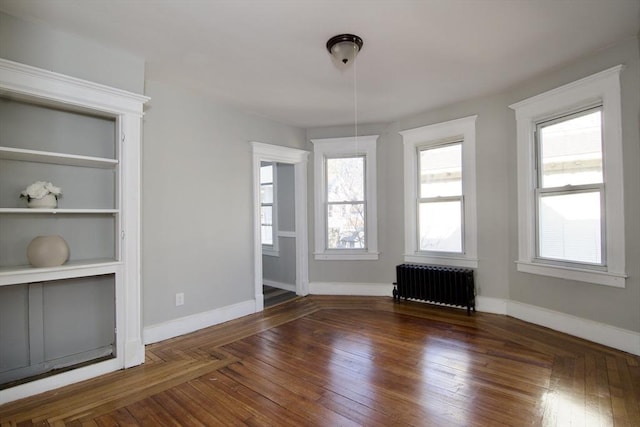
289,237
277,222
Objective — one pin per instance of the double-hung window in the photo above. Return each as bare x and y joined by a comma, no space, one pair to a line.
440,200
346,205
570,189
440,195
570,182
345,197
268,223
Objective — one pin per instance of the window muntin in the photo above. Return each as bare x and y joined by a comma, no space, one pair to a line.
570,192
440,199
346,207
267,187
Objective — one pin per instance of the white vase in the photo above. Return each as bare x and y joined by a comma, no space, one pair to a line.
47,251
47,202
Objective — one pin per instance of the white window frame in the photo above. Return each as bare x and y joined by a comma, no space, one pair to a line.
464,130
346,147
601,88
273,249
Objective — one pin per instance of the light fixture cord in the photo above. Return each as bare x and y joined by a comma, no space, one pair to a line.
355,95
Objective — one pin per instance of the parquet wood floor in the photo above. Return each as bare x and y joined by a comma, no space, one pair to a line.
352,361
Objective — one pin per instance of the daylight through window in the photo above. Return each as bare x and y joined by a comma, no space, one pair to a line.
440,213
267,203
570,191
345,203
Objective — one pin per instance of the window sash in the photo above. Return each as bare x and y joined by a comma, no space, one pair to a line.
539,166
265,226
540,192
329,204
450,198
573,190
435,146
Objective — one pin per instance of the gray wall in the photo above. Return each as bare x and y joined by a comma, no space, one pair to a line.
41,46
197,220
282,268
497,199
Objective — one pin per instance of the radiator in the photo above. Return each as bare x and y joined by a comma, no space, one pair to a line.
436,284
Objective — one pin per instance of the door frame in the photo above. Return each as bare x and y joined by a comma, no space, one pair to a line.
298,158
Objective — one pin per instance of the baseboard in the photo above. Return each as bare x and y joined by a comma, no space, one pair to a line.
59,380
286,286
346,288
601,333
491,305
187,324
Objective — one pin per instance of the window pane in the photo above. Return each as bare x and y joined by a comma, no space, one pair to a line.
266,174
345,226
441,171
266,215
266,193
267,235
440,226
572,151
569,227
345,179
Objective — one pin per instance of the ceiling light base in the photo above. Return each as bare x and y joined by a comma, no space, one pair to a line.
344,47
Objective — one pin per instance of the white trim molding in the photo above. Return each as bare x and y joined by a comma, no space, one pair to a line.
603,87
38,84
601,333
345,288
465,129
195,322
322,148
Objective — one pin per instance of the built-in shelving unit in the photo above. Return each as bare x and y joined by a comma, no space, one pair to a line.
84,138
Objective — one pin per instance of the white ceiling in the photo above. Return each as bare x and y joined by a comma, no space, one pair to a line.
268,57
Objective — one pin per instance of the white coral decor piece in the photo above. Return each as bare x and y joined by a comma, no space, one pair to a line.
39,189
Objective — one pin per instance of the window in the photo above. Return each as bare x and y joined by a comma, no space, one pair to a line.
571,212
440,201
345,220
346,208
440,219
570,190
268,209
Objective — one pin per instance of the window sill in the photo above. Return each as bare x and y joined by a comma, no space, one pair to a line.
270,252
582,275
351,256
449,261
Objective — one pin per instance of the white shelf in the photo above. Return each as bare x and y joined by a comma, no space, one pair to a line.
57,211
15,275
9,153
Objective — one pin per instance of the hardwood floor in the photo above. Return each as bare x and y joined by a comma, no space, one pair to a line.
342,361
274,296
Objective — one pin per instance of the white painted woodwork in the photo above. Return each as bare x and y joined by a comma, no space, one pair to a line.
33,85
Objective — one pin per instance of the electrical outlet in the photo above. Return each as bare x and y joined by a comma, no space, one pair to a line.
179,299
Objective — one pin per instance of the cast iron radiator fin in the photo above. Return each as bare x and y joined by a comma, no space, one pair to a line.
436,284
